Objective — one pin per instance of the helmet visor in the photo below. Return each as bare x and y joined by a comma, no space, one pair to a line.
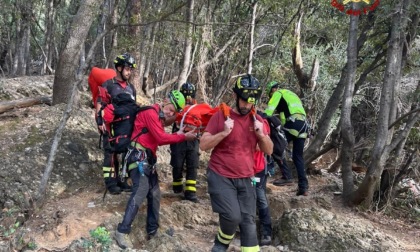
187,92
250,95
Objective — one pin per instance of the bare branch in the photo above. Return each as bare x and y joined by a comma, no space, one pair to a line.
403,116
258,47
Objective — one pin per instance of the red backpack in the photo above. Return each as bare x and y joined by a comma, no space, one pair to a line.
96,78
195,117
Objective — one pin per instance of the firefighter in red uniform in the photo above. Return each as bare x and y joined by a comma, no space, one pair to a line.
185,152
110,89
230,174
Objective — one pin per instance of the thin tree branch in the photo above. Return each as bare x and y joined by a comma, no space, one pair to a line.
403,116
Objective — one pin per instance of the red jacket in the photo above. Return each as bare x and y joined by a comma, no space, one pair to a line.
259,158
156,134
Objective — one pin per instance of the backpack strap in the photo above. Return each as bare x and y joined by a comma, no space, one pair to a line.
99,120
185,114
134,91
144,130
225,110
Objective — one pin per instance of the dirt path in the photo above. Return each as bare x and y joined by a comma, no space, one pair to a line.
71,216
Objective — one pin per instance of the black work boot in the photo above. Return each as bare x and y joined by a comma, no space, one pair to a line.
114,189
178,188
265,240
112,186
152,234
191,196
125,187
219,247
302,192
283,182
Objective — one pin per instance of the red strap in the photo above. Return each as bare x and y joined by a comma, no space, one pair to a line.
121,119
117,139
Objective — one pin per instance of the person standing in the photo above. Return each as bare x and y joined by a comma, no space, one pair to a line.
124,64
185,152
293,119
141,158
230,174
261,170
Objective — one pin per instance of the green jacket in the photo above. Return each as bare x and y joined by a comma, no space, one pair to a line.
286,103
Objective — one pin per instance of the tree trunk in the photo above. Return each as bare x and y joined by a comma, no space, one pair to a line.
65,76
23,103
26,53
323,124
215,58
346,154
143,57
22,50
188,44
135,32
203,56
113,37
102,26
49,30
364,193
148,58
251,36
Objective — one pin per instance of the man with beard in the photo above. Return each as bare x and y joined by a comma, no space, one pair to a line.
124,64
230,174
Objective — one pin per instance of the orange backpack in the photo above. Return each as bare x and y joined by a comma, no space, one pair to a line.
97,77
195,117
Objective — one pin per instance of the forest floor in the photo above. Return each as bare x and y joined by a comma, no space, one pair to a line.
75,213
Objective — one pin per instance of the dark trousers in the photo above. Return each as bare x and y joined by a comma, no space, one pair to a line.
185,152
262,204
110,167
297,153
143,186
235,202
284,169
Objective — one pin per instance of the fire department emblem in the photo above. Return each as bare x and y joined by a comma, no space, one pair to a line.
362,7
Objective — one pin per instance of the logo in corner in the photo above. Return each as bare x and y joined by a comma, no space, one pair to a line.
363,6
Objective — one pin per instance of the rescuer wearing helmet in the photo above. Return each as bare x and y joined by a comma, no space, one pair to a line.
293,120
231,183
109,90
141,158
185,152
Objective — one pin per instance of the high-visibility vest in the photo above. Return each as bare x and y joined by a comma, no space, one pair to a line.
294,104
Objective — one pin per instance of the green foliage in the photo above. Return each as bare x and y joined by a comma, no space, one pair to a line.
413,138
10,212
9,231
32,245
99,237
